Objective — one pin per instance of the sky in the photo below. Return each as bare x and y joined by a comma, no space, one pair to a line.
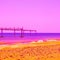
40,15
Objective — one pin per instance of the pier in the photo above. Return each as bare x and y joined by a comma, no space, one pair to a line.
14,31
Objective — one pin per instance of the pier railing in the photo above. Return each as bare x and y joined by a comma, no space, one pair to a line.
14,31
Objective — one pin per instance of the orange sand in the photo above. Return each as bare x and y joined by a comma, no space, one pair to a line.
31,51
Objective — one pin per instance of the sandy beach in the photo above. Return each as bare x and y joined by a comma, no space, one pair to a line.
49,50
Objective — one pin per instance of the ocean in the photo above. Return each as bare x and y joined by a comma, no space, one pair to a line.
9,37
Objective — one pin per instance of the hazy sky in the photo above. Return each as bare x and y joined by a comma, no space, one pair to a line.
42,15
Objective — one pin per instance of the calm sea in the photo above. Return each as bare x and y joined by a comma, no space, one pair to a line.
28,36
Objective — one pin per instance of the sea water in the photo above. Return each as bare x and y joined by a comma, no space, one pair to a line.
28,36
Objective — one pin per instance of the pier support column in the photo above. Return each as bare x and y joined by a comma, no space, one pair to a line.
22,32
1,32
14,32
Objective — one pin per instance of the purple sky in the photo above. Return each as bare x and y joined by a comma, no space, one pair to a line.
42,15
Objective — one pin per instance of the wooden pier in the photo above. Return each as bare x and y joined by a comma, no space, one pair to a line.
14,31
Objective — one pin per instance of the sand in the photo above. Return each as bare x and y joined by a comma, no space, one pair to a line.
49,50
